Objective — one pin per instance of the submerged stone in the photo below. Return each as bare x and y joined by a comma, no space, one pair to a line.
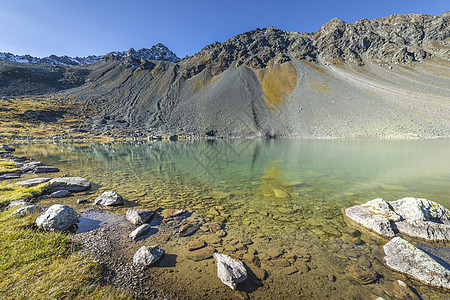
171,212
404,257
140,231
230,271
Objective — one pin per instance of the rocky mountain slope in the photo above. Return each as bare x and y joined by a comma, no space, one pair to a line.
386,77
156,52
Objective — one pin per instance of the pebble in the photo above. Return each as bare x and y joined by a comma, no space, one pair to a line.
289,270
221,233
280,262
274,252
81,201
195,245
201,254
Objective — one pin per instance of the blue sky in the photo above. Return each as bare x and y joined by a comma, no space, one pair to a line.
81,27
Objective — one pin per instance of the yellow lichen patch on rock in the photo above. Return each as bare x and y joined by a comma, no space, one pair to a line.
277,80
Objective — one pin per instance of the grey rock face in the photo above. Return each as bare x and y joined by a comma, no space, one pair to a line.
71,184
230,271
140,231
139,216
148,255
31,166
110,198
33,182
404,257
419,218
57,217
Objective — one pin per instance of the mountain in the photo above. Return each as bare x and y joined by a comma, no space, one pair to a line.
157,52
381,78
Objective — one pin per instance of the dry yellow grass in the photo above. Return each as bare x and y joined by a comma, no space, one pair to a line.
276,81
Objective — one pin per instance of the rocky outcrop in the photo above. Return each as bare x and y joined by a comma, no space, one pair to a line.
71,184
148,255
404,257
415,217
139,216
230,271
110,198
57,217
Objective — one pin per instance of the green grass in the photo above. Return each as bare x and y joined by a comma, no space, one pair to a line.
7,166
11,191
45,265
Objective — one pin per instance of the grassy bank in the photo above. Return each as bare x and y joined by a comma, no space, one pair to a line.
45,265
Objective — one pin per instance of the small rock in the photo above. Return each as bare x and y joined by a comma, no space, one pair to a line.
59,194
259,272
281,194
280,262
147,256
230,271
31,166
110,198
81,201
140,231
45,169
404,257
289,270
302,266
213,239
362,274
71,184
201,254
16,203
221,233
194,245
7,148
188,229
275,252
139,216
26,210
33,182
171,212
57,218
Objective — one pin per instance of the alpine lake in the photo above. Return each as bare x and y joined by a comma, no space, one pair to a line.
276,205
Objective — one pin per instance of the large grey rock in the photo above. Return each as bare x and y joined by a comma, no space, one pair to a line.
33,182
230,271
71,184
140,231
147,255
404,257
419,218
139,216
57,217
110,198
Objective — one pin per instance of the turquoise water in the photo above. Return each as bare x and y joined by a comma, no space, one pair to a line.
284,193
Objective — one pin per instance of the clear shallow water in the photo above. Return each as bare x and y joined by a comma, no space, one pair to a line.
278,193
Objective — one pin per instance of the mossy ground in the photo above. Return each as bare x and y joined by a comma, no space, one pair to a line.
277,81
45,265
15,125
7,166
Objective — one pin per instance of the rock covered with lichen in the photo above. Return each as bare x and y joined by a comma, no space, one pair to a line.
415,217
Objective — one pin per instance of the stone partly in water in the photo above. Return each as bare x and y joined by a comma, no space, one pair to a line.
419,218
7,148
32,182
139,216
362,274
171,212
45,169
404,257
148,255
57,217
59,194
140,231
230,271
110,198
71,184
31,166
